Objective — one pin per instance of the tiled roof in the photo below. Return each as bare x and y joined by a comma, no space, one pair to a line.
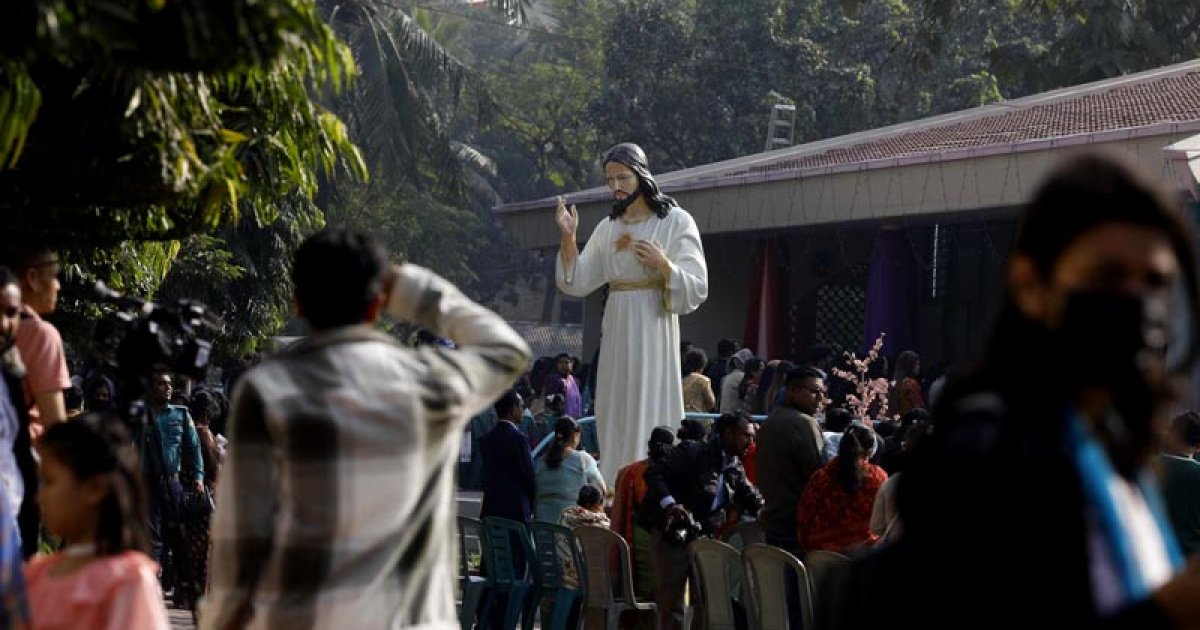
548,340
1128,106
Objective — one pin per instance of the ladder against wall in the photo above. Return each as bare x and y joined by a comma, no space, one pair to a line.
781,130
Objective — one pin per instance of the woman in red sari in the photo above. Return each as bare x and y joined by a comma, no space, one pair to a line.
834,513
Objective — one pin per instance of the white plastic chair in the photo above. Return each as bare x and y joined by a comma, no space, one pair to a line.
766,568
597,544
824,568
713,563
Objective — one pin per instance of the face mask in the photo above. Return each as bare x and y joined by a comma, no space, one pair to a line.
1104,337
1106,340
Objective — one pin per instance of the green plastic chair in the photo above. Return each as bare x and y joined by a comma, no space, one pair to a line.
501,538
555,548
474,587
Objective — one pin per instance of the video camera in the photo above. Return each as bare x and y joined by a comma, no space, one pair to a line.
140,336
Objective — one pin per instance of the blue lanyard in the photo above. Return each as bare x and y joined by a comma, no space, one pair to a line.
1094,472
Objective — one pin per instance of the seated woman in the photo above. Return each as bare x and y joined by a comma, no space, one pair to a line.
834,513
563,472
588,510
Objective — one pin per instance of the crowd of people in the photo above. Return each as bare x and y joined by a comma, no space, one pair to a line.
1064,461
322,494
810,473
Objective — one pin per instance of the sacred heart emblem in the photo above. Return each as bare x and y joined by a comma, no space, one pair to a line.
624,242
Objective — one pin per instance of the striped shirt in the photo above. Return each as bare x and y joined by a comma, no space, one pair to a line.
336,504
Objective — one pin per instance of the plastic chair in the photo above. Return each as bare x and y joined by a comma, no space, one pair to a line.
745,534
555,549
715,567
474,587
597,542
500,535
824,570
766,568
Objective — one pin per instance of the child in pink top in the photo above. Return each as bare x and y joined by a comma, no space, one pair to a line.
91,496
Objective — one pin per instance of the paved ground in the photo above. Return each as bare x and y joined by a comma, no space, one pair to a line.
180,619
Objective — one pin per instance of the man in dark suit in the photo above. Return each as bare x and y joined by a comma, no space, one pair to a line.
702,479
508,487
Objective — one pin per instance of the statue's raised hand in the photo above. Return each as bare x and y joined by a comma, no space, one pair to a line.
567,219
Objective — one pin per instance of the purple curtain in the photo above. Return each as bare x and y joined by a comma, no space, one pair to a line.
893,293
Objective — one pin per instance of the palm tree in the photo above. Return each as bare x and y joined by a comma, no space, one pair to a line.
409,85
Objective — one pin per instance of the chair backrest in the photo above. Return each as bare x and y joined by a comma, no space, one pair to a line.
744,534
765,568
501,538
823,569
715,565
469,540
554,548
597,544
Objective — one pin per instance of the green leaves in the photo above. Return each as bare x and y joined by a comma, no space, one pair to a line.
153,151
19,103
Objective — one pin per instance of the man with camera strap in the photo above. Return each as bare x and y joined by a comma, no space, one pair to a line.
690,495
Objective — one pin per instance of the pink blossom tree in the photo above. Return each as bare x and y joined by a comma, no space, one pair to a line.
867,390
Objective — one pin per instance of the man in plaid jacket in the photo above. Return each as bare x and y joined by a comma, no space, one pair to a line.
336,504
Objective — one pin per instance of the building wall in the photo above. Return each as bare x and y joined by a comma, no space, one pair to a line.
871,191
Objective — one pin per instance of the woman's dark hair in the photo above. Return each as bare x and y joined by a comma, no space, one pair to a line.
858,441
632,156
759,404
336,275
565,429
204,406
7,277
589,496
752,366
694,361
98,445
837,419
778,382
906,366
538,373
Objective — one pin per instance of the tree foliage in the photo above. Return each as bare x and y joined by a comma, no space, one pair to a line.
165,119
693,80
